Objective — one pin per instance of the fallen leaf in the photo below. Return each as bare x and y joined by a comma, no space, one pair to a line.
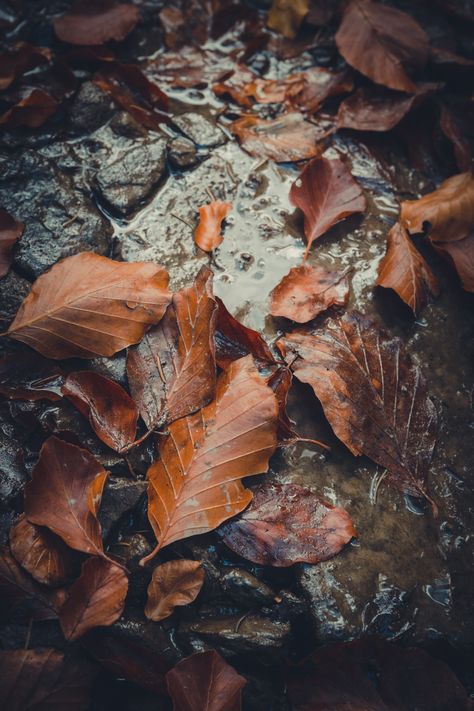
286,16
110,410
91,22
22,58
10,232
208,232
205,682
457,124
190,67
172,371
326,192
372,394
383,43
32,109
236,86
318,85
280,382
44,680
233,340
307,291
88,305
96,599
404,270
177,582
64,495
28,376
461,255
195,484
42,554
448,211
287,524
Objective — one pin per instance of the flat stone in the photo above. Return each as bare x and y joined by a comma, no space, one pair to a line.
90,109
200,130
246,589
182,152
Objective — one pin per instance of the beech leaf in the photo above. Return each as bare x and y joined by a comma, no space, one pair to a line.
91,22
233,340
208,232
10,232
286,16
87,305
461,255
177,582
23,57
32,109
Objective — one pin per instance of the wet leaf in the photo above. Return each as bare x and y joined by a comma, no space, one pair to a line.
96,599
195,484
42,554
458,127
318,85
91,22
461,255
383,43
287,524
10,232
205,682
87,305
448,211
208,232
326,192
22,58
236,86
233,340
177,582
28,376
44,680
172,371
190,66
307,291
372,394
32,109
110,410
286,16
64,495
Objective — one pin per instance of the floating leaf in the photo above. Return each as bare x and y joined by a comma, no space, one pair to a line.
177,582
208,232
10,232
286,16
307,291
234,340
90,22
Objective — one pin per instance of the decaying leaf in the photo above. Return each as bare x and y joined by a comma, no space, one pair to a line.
88,305
205,682
208,232
461,255
233,340
92,22
96,599
326,192
383,43
195,484
29,376
109,408
448,211
64,494
286,16
286,524
18,60
10,232
172,371
307,291
372,394
32,108
177,582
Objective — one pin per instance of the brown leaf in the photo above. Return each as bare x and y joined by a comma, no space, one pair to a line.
404,270
87,305
461,255
33,108
46,558
28,376
286,524
22,58
64,494
285,139
190,66
327,193
208,232
449,210
286,16
233,340
177,582
383,43
172,371
10,232
458,127
372,394
91,22
205,682
110,410
44,680
96,599
195,484
236,86
307,291
318,85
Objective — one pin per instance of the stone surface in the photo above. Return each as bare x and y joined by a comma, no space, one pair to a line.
201,130
246,589
13,476
120,496
13,289
182,152
90,109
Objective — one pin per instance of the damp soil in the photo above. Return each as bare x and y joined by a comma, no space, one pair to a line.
407,576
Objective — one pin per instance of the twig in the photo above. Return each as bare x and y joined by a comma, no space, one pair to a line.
240,620
181,219
28,633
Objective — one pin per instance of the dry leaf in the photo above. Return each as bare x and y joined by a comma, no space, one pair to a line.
208,232
87,305
234,340
286,16
177,582
91,22
461,255
10,232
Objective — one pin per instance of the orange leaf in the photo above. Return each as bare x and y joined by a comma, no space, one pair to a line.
177,582
90,22
208,232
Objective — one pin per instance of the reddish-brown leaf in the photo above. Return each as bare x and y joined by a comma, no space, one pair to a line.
88,305
205,682
448,211
195,484
234,340
109,408
32,109
43,554
10,232
286,16
372,394
96,599
175,583
172,371
286,524
44,680
91,22
28,376
64,494
326,192
404,270
22,58
236,86
190,66
208,232
307,291
461,255
317,86
383,43
458,127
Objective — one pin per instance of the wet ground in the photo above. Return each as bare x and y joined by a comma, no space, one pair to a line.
407,576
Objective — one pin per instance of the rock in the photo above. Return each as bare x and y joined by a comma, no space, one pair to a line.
120,495
200,130
113,368
90,109
182,152
13,289
134,628
246,589
13,476
129,550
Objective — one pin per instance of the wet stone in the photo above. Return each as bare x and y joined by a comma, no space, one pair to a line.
200,130
182,152
13,289
120,495
90,109
135,628
246,589
13,476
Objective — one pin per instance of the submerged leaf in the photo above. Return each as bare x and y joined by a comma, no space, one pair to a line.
307,291
177,582
91,22
208,232
10,232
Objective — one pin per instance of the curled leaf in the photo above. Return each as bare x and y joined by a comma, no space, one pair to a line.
208,232
91,22
177,582
10,232
233,340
